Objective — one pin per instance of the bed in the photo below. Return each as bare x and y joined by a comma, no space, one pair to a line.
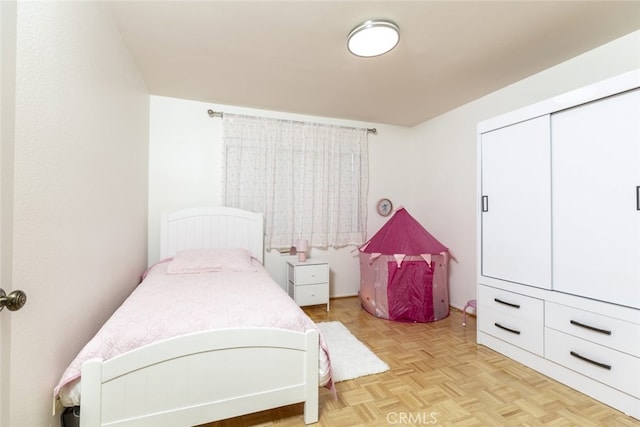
207,335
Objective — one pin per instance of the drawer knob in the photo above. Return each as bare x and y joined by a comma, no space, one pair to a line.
593,362
513,331
591,328
510,304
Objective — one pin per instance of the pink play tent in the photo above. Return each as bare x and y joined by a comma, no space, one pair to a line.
403,272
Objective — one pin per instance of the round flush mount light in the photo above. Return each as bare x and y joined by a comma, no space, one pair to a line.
373,38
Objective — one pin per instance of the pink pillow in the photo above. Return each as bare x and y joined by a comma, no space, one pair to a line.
207,260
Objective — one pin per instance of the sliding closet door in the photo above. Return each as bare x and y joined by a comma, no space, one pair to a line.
596,199
516,211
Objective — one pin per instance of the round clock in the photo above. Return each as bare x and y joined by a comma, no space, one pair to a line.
384,207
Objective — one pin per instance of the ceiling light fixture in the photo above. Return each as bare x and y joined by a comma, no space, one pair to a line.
373,38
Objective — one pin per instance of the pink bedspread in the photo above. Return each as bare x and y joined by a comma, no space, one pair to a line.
165,306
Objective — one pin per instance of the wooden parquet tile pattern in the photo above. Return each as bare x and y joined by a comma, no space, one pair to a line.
439,376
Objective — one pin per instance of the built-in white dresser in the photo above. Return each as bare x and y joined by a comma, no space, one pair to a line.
559,239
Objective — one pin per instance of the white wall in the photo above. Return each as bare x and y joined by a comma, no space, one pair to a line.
430,169
80,184
185,171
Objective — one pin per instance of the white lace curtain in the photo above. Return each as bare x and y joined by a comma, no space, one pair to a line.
309,180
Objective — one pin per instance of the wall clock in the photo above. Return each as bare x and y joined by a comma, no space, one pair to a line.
384,207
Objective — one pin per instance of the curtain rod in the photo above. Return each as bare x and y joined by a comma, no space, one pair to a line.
220,114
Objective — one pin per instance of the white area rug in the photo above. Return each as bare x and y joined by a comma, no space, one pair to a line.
350,358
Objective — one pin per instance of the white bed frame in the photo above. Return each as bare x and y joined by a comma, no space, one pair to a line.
206,376
212,227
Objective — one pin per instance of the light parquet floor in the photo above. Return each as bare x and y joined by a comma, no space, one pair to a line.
439,376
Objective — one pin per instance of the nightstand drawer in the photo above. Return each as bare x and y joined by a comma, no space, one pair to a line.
611,367
519,332
511,304
309,274
312,294
609,332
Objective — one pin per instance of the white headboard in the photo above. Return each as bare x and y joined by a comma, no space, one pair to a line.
211,227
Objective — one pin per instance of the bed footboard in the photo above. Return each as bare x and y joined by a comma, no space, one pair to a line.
203,377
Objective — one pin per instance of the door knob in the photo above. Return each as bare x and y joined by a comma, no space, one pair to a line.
14,301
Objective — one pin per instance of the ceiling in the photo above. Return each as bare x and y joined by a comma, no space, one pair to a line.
291,56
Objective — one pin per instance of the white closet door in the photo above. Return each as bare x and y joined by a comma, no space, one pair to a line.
596,212
516,211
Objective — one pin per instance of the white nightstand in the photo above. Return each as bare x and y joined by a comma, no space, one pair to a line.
308,282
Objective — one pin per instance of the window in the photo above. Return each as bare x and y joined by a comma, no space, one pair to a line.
309,180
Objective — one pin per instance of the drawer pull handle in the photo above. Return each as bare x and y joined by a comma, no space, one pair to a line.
513,331
591,328
507,303
593,362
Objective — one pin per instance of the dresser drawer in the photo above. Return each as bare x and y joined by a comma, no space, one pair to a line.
309,274
511,304
514,330
312,294
609,332
616,369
